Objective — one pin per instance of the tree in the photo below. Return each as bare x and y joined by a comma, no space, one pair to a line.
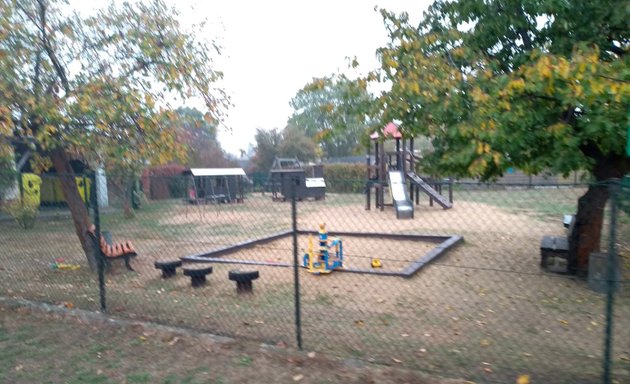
199,136
291,142
266,149
96,87
537,85
7,171
331,110
296,144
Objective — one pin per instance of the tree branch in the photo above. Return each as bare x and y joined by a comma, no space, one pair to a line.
51,54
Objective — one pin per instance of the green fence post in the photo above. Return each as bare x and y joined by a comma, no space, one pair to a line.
611,277
296,267
97,225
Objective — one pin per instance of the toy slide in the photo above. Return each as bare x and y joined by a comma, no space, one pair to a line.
398,190
417,180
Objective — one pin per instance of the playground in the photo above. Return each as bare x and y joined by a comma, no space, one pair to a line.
485,301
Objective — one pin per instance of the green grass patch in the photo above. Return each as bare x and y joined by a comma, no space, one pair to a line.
544,203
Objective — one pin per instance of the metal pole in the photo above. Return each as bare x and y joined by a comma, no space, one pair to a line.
296,268
100,261
611,279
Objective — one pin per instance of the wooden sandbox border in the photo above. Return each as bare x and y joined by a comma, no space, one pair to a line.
443,244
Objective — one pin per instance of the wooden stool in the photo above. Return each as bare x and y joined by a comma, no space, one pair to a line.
197,275
243,280
168,267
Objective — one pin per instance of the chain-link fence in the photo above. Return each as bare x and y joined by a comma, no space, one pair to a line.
477,291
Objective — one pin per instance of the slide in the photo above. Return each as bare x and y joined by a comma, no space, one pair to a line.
417,180
397,187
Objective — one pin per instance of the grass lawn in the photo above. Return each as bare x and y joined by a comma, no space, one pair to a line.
484,311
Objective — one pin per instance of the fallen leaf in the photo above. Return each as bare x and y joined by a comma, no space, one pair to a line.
19,367
523,379
259,322
563,322
485,343
422,350
487,370
142,338
404,335
359,323
175,340
395,360
311,355
298,377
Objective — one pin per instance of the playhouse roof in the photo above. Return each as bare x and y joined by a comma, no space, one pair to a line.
215,171
390,130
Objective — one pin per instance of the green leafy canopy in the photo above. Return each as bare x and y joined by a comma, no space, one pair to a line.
99,86
537,84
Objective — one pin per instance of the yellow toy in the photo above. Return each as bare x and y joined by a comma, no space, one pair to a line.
60,263
322,261
376,263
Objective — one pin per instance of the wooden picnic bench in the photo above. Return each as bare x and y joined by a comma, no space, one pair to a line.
111,251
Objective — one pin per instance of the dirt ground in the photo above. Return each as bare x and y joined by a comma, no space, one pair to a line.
54,345
483,311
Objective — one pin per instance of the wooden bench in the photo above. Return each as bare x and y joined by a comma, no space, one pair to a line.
554,250
111,251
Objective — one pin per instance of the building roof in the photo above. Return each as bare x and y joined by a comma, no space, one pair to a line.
390,130
215,172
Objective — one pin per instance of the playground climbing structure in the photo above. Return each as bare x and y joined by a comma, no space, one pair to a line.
396,172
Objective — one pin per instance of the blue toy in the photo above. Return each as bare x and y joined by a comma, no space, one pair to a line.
322,261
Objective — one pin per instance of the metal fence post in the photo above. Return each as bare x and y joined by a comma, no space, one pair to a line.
296,268
611,277
97,224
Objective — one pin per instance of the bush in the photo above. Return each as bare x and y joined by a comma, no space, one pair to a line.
345,178
164,182
23,212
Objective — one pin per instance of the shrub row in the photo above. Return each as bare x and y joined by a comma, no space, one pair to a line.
344,178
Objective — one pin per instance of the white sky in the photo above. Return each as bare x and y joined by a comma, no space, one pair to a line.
273,48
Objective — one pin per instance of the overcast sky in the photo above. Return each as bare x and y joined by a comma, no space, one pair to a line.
273,48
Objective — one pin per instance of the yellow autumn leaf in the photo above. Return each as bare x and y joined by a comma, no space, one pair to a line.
563,68
517,84
415,88
522,379
479,148
496,157
148,99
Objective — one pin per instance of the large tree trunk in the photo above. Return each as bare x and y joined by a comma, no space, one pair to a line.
77,207
587,231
